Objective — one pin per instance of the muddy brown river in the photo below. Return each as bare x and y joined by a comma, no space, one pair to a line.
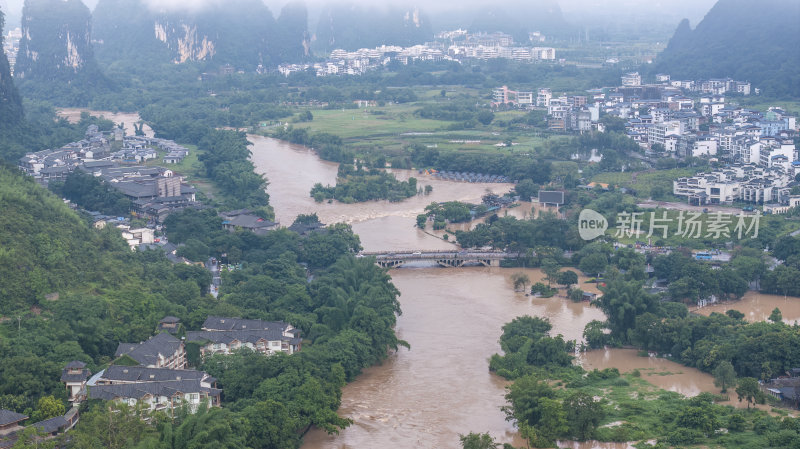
73,115
758,306
425,397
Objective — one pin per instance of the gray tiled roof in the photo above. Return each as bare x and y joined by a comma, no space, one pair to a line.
135,189
217,323
251,222
51,425
147,352
139,390
248,336
8,417
144,374
77,377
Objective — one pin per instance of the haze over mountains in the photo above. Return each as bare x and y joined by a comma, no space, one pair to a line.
243,33
737,38
10,101
741,39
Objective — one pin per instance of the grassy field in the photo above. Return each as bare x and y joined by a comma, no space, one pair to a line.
370,122
753,102
393,126
643,182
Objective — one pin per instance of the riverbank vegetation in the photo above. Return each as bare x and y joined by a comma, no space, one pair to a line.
359,184
551,399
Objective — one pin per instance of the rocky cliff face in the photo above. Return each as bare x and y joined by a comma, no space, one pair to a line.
183,41
239,32
56,40
10,101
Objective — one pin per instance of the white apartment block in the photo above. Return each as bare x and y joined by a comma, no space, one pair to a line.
632,79
704,147
747,183
543,97
771,151
656,133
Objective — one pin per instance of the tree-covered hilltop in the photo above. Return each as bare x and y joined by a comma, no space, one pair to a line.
741,39
242,33
352,26
72,292
55,52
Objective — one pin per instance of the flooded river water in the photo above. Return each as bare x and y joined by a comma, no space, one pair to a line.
758,306
427,396
73,115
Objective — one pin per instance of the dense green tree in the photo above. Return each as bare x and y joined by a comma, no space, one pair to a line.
568,278
583,414
477,440
776,316
550,268
485,117
748,390
526,189
593,264
622,301
724,375
48,407
520,280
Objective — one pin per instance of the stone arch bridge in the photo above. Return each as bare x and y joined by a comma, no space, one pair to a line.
448,259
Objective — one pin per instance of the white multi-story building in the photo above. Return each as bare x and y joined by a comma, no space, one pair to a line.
544,53
631,79
704,146
657,132
747,183
543,97
772,149
746,150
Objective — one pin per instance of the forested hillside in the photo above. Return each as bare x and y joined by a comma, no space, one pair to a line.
71,292
741,39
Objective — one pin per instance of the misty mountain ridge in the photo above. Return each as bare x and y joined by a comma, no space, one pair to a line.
242,33
351,26
10,101
741,39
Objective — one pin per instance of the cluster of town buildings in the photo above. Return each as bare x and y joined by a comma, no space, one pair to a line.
565,113
154,191
153,374
452,46
11,46
679,119
692,119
